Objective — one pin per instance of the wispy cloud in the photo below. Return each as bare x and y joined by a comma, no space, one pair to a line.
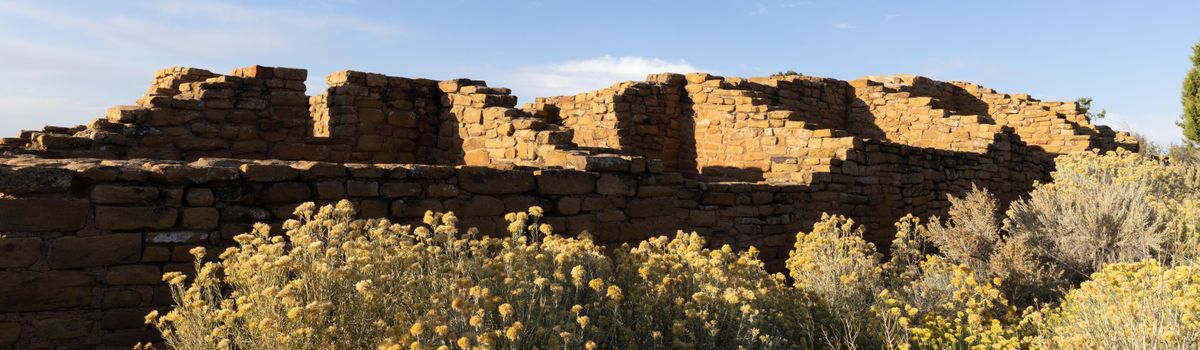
575,76
844,26
759,10
891,16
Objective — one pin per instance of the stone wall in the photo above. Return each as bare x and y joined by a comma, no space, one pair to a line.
634,118
91,215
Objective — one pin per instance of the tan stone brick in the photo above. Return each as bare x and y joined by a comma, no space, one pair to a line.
362,188
110,249
130,318
199,197
400,189
200,218
287,192
113,194
61,328
17,252
414,208
121,298
10,333
133,274
476,206
156,254
569,205
330,190
565,182
42,214
135,218
494,181
616,184
268,172
649,207
48,290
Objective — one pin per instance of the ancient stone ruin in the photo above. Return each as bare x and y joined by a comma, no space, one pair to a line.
92,215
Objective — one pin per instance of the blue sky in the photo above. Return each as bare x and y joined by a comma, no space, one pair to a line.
63,63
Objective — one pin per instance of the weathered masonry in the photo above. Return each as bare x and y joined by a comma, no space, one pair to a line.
92,215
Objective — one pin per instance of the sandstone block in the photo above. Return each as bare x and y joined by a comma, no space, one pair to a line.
616,184
569,205
10,332
321,170
135,218
362,188
414,208
115,194
104,250
34,180
199,197
331,189
61,328
287,192
125,114
649,207
400,189
476,206
49,290
702,218
121,298
42,214
372,208
20,251
123,318
156,254
494,181
244,214
366,171
200,218
565,182
133,274
268,172
441,190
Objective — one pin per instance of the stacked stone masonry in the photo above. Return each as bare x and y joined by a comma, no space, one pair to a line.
92,215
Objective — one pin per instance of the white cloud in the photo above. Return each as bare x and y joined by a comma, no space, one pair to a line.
576,76
759,10
844,26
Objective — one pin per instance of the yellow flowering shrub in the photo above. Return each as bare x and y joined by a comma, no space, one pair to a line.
835,264
340,283
1140,305
948,307
681,295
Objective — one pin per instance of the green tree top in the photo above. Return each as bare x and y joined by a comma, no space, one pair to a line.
1191,99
